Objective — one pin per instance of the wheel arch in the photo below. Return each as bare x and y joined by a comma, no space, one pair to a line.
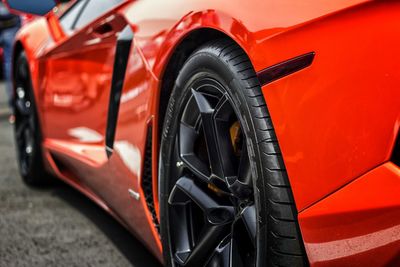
181,52
167,76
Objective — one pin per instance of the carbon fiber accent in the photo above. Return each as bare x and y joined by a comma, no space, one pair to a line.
285,68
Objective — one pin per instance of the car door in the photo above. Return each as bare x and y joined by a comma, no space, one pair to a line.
98,98
78,74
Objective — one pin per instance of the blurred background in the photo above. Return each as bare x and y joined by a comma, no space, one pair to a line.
54,226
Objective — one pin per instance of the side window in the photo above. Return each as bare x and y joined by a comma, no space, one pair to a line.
68,19
93,10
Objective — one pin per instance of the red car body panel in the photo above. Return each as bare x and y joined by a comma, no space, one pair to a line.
363,225
336,121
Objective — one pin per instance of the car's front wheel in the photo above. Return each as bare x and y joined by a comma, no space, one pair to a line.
225,196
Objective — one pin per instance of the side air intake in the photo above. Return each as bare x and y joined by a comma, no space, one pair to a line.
147,180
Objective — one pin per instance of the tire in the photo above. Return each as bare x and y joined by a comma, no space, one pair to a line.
278,240
28,138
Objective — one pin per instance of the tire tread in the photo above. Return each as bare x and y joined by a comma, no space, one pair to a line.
284,238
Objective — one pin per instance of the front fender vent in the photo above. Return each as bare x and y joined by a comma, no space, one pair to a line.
396,152
147,179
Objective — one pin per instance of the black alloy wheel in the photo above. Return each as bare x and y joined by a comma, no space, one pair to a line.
211,205
224,194
27,130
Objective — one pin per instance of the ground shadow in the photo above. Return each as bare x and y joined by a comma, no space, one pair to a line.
126,243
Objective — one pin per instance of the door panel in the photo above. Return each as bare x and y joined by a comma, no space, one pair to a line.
77,98
78,79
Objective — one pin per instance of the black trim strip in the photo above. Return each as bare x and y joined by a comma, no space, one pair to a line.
123,48
285,68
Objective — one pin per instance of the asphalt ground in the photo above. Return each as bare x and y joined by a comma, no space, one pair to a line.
56,226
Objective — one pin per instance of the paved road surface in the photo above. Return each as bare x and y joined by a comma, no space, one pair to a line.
56,226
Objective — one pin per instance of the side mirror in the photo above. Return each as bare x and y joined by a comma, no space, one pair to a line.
33,7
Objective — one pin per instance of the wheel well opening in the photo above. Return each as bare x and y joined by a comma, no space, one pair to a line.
181,53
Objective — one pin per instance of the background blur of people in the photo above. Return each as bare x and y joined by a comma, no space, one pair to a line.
9,25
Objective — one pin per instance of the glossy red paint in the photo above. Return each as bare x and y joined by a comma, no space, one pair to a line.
359,225
335,120
338,118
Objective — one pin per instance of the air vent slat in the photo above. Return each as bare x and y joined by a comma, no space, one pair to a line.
147,179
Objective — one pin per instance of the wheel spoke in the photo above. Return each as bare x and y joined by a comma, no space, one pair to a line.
216,131
218,217
187,137
20,129
249,218
183,239
240,185
31,122
226,254
222,255
194,193
28,142
223,137
22,106
207,244
234,259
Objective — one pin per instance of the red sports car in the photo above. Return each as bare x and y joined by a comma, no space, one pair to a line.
221,133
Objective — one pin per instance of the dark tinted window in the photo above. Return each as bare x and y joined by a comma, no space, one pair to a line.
68,18
94,9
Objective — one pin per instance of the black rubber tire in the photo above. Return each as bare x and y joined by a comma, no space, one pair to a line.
279,238
35,174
